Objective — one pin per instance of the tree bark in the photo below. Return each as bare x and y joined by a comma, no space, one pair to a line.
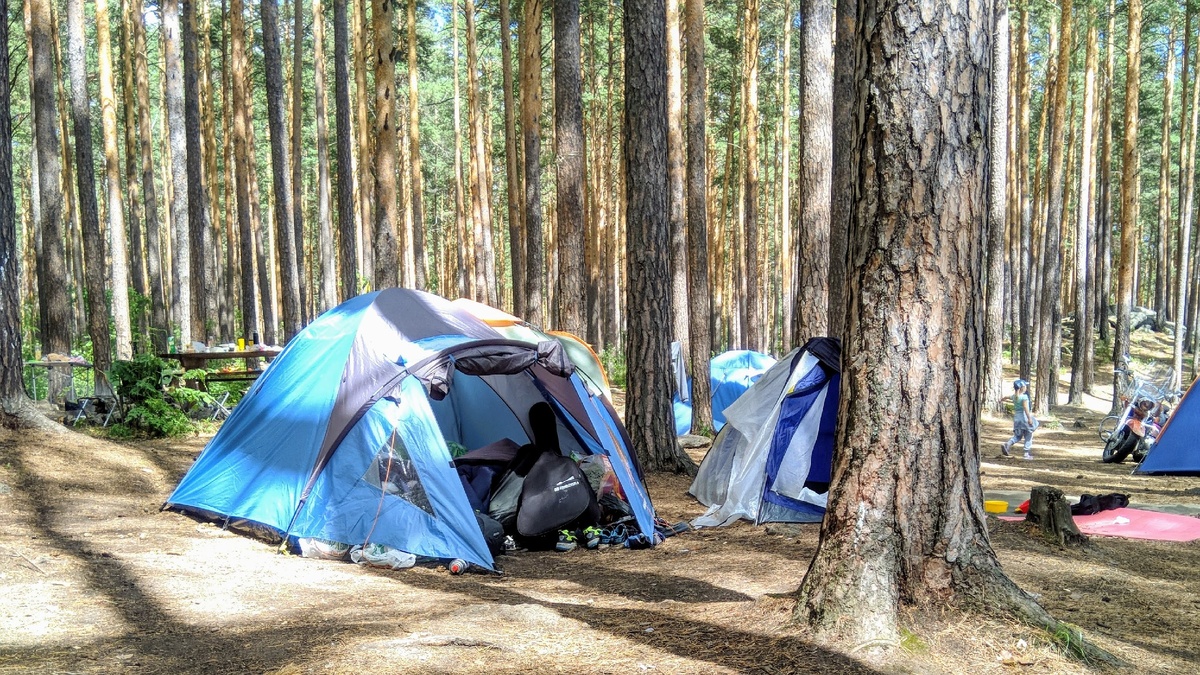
159,322
481,194
241,148
1050,511
93,243
516,224
1104,226
648,407
466,280
531,112
181,273
1183,290
752,320
296,156
386,210
1129,186
1024,294
112,172
1162,237
414,142
347,227
845,158
285,232
1050,316
1081,351
816,175
568,133
328,297
699,334
366,187
993,376
203,259
905,522
137,255
675,175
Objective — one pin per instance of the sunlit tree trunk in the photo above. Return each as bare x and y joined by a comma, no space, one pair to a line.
365,161
181,270
119,269
675,175
752,320
241,148
1183,292
328,296
481,194
137,250
516,225
154,271
1081,359
568,132
466,277
297,152
699,334
816,175
346,207
531,111
95,268
993,375
386,213
1162,237
202,260
1104,217
414,142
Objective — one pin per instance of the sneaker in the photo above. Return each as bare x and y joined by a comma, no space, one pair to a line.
566,541
1004,450
590,537
614,535
1028,456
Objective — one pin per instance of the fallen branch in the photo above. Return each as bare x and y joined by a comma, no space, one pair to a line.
22,556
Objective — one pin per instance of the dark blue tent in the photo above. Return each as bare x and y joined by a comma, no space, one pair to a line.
344,437
1177,450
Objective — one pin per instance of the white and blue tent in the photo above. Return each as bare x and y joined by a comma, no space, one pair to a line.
344,438
730,375
772,460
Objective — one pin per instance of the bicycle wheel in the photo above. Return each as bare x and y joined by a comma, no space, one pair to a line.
1108,425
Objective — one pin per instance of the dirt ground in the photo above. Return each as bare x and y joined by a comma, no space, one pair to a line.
95,579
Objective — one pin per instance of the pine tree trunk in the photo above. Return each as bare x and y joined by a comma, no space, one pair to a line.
568,133
1023,295
699,309
816,160
414,141
531,112
1104,226
158,304
485,266
466,279
1162,238
347,227
516,225
328,297
93,243
993,376
181,271
12,389
285,232
203,260
1081,351
1129,184
1050,315
675,175
648,406
241,147
296,158
119,270
366,186
845,158
386,209
751,279
1187,208
137,254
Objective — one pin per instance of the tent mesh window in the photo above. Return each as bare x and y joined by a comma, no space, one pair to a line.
394,472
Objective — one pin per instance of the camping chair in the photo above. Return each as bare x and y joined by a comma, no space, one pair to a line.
219,409
103,393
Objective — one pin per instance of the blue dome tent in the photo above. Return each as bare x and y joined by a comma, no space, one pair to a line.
345,436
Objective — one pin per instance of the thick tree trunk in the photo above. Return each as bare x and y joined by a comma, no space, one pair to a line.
531,112
675,174
119,280
699,334
386,210
93,244
1129,185
286,242
241,148
516,224
844,165
1081,351
816,173
905,522
328,296
347,227
648,407
993,375
181,271
414,143
202,260
568,132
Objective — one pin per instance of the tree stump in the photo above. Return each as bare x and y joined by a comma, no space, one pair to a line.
1049,510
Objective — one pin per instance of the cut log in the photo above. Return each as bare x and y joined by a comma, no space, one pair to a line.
1049,510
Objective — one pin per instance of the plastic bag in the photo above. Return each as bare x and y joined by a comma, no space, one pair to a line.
599,465
323,549
381,555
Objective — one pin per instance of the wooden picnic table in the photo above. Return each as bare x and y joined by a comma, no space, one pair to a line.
199,360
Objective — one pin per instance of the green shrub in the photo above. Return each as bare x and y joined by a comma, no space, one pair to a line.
613,361
155,401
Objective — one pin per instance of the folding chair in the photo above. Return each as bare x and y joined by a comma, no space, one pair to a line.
103,393
219,409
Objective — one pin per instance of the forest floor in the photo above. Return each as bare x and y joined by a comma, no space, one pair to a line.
95,579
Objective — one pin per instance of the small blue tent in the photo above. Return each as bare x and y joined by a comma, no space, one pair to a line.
344,437
730,375
772,460
1177,451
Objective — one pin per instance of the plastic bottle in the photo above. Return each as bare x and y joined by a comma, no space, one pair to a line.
458,566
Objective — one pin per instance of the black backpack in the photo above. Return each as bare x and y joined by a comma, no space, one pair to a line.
555,494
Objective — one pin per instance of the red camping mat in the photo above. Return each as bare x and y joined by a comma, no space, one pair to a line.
1136,524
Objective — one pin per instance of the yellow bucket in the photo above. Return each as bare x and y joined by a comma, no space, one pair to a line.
995,506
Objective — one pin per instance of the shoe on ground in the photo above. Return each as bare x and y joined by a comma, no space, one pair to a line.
566,541
1028,456
591,537
613,535
1004,450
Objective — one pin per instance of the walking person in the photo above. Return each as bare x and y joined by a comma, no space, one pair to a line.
1024,421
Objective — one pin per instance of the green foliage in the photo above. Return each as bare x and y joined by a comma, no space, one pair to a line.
156,403
613,361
